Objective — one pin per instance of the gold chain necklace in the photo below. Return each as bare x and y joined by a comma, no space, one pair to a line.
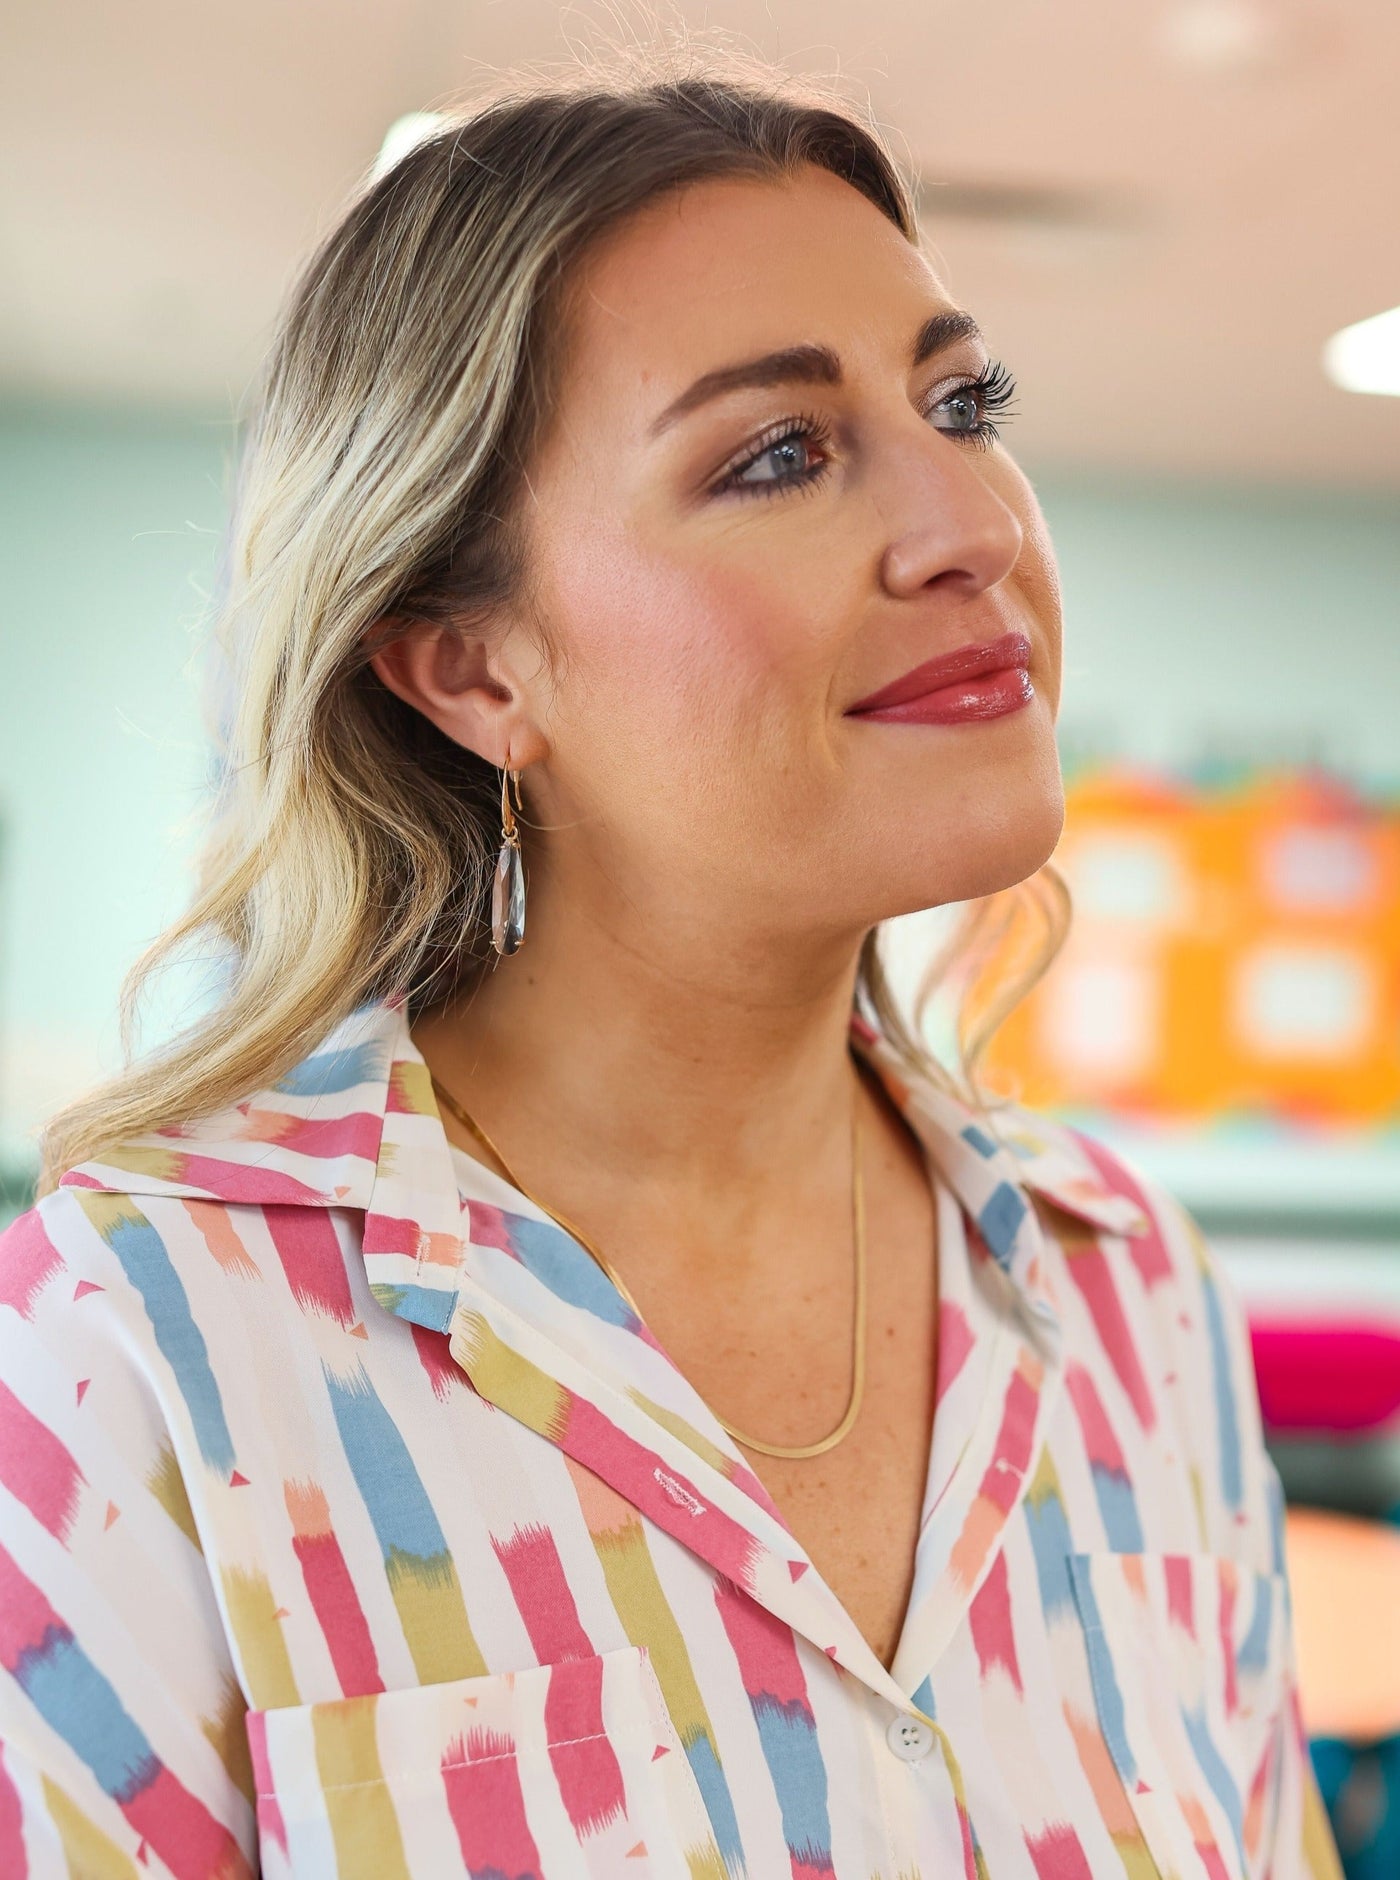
786,1451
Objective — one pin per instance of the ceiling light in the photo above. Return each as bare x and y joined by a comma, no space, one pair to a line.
402,135
1366,357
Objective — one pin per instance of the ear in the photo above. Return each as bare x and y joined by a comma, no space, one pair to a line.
475,689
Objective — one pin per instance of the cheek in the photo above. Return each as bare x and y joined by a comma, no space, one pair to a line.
695,659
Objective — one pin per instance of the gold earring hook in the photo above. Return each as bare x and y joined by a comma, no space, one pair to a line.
509,832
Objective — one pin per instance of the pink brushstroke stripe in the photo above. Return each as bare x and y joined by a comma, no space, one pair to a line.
1058,1855
764,1647
993,1633
235,1181
488,1809
269,1808
584,1762
312,1259
955,1342
1148,1249
339,1613
1099,1440
325,1138
1001,1483
36,1467
488,1228
1177,1572
14,1861
193,1845
541,1591
661,1493
28,1261
435,1355
1089,1269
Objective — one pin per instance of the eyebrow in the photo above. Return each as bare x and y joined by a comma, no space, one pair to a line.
805,365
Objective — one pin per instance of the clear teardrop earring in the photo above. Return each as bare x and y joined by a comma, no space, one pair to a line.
508,888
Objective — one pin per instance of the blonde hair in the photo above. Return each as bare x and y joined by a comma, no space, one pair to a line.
408,383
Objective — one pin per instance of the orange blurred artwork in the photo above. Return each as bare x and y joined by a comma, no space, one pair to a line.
1234,952
1343,1573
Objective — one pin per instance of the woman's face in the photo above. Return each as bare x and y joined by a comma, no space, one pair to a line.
763,498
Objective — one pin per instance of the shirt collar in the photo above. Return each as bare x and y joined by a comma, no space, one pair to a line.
355,1125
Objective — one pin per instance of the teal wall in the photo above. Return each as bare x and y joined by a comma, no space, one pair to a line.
1201,622
108,533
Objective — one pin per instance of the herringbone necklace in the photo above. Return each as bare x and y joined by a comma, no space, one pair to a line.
786,1451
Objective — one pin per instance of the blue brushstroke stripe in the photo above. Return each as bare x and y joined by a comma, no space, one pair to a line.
330,1072
77,1701
1107,1695
571,1273
1118,1509
979,1140
181,1343
1253,1654
788,1734
1226,1418
425,1305
719,1803
1050,1543
1216,1773
1000,1220
391,1487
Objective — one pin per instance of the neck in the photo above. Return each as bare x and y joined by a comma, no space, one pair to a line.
716,1071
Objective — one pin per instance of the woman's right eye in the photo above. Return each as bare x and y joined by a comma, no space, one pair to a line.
793,455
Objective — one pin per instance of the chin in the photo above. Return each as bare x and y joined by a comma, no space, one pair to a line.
998,840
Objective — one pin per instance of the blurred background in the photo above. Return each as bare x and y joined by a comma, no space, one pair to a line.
1163,215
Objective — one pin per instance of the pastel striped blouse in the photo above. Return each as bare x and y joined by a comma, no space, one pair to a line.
353,1528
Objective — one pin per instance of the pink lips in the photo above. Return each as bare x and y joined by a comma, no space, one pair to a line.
983,679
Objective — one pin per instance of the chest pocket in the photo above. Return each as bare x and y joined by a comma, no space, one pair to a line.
561,1772
1189,1657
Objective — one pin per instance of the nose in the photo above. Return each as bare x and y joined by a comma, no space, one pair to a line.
951,527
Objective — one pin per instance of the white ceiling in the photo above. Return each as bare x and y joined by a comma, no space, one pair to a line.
171,160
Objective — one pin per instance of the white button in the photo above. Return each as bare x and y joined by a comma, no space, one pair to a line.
910,1738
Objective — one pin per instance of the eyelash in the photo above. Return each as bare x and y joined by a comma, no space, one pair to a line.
995,389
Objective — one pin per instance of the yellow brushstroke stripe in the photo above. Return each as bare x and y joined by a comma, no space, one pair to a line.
648,1620
108,1212
267,1668
227,1730
1198,1497
433,1615
685,1432
359,1807
87,1851
412,1086
503,1377
167,1484
1319,1848
706,1863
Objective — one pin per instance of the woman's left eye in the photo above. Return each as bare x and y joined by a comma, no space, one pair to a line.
971,408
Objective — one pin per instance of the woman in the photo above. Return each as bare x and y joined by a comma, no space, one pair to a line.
608,1404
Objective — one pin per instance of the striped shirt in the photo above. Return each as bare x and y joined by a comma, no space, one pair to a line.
353,1527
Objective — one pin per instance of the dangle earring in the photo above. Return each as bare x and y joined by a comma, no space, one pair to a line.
508,888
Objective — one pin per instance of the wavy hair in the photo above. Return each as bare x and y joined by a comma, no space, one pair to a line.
406,388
